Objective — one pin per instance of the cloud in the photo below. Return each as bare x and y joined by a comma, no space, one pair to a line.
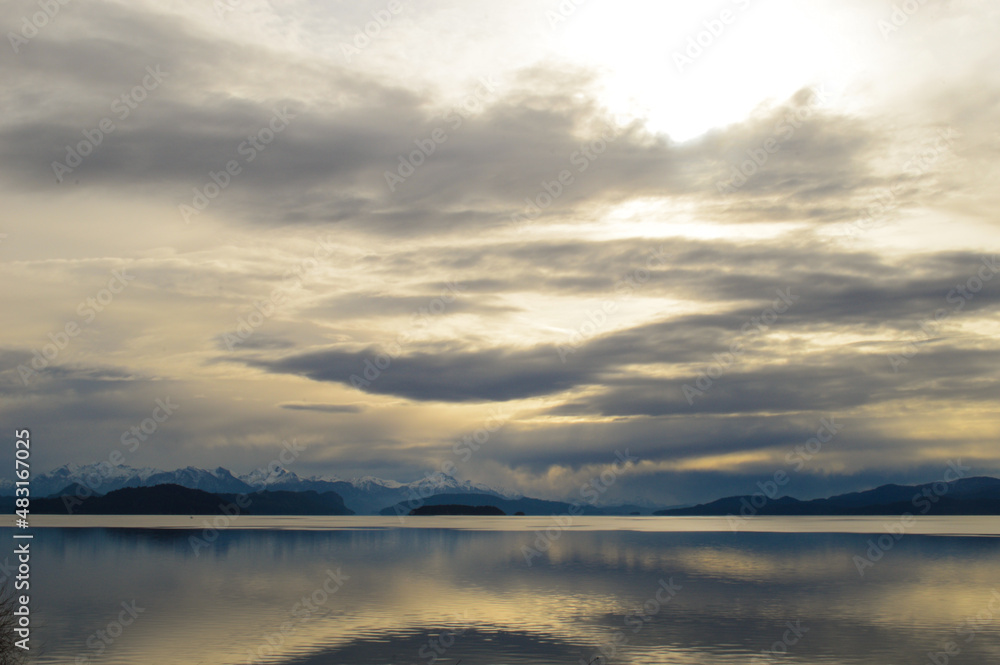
492,375
323,408
366,305
329,165
835,299
598,266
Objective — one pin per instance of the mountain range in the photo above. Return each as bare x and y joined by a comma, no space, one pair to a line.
172,499
978,495
365,495
373,496
525,505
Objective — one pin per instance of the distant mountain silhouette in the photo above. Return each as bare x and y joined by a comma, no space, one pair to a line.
509,506
75,489
966,496
282,502
171,499
366,495
158,500
456,509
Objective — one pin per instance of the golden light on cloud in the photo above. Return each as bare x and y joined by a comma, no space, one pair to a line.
447,223
617,269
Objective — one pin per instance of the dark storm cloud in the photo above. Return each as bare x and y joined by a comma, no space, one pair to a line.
906,300
848,381
837,382
30,373
454,377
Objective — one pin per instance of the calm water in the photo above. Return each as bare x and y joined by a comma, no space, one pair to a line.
643,590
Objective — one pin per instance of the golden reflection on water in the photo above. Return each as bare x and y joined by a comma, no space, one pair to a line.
584,588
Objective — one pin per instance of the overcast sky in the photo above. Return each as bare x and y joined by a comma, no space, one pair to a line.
690,231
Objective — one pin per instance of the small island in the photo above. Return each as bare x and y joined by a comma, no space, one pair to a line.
456,509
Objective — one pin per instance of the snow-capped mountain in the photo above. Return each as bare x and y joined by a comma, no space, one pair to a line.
442,482
373,483
219,480
265,478
281,479
367,494
100,477
373,494
364,495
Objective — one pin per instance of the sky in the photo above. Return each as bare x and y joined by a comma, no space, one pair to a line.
693,247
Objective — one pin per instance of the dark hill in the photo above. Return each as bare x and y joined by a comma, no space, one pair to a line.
172,499
156,500
294,503
76,489
509,506
965,496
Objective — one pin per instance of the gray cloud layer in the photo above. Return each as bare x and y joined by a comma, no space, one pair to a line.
859,339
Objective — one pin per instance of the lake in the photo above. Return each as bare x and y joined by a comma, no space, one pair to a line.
600,590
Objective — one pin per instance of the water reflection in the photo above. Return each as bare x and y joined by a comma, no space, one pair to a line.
410,595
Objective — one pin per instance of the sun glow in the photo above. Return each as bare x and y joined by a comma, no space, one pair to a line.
689,67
